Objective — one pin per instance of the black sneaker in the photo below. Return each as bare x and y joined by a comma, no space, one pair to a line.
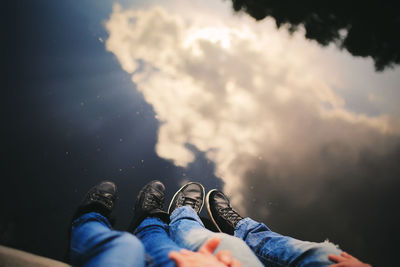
191,194
221,213
100,198
149,203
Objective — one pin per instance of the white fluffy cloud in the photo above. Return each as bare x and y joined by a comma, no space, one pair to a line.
252,98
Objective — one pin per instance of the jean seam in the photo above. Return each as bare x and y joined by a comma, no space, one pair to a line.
274,260
267,257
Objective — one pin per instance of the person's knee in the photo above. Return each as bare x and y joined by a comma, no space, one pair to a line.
318,252
327,248
231,243
238,248
228,239
126,241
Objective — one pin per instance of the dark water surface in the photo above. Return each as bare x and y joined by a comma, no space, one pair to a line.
74,119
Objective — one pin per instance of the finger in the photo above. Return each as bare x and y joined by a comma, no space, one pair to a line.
210,246
336,258
224,256
177,257
347,256
236,263
187,252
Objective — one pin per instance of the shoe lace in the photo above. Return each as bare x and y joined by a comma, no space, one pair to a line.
98,196
230,214
153,201
190,201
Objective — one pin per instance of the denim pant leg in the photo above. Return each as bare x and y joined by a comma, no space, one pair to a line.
188,231
153,233
277,250
93,243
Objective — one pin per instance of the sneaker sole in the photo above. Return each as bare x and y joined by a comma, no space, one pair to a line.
180,189
209,209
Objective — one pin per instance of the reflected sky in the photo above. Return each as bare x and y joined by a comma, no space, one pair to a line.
303,138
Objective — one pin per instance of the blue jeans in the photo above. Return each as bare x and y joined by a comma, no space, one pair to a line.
276,250
93,243
187,231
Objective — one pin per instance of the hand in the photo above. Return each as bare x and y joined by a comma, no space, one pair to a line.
204,256
346,260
